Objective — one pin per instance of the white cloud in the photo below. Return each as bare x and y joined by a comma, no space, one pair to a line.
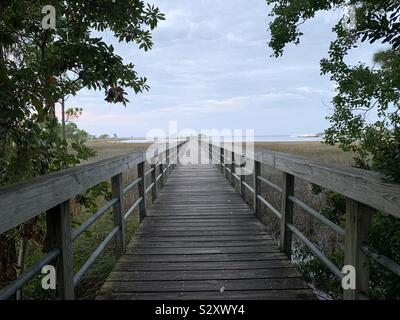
210,67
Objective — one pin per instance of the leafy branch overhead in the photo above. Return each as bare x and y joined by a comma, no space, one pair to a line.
39,67
364,91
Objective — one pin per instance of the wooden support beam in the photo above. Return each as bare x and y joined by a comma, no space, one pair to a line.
286,214
221,159
358,221
59,236
118,214
257,189
242,178
142,191
161,168
154,182
210,154
233,166
168,160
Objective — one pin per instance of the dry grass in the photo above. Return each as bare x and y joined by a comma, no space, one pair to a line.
313,150
109,148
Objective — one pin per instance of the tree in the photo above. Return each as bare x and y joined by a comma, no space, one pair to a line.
361,89
38,67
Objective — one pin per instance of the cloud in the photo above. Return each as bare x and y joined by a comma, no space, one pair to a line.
211,67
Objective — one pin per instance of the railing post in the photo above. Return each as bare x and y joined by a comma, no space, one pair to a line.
178,147
221,159
154,182
118,215
167,159
59,236
174,151
161,168
142,191
226,166
256,185
233,166
210,153
287,214
358,221
242,178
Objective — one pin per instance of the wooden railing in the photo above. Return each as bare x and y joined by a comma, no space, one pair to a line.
365,192
51,194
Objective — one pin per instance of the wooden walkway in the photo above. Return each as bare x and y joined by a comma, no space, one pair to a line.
201,241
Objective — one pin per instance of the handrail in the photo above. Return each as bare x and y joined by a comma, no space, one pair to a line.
132,208
28,275
366,192
364,186
317,215
93,218
51,193
23,201
94,256
131,185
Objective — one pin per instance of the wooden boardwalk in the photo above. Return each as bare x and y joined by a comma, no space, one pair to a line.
201,241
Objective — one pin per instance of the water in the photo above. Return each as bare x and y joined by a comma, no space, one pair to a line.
286,138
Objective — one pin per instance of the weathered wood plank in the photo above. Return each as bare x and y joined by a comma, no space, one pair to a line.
198,240
59,236
217,257
226,295
358,222
203,274
369,188
286,214
23,201
205,251
204,285
132,265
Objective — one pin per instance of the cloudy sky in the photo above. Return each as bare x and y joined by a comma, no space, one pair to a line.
211,68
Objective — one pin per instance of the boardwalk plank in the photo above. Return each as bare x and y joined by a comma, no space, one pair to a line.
201,241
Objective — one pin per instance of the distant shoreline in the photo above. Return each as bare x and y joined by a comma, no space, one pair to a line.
265,138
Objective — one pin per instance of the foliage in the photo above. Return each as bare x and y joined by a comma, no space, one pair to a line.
384,238
361,90
39,67
315,272
73,133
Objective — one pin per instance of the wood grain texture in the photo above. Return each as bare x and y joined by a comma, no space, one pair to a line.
201,241
59,236
367,187
23,201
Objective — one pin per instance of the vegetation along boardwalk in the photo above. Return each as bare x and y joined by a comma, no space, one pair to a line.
201,241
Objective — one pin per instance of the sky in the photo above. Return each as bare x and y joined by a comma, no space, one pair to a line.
211,68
